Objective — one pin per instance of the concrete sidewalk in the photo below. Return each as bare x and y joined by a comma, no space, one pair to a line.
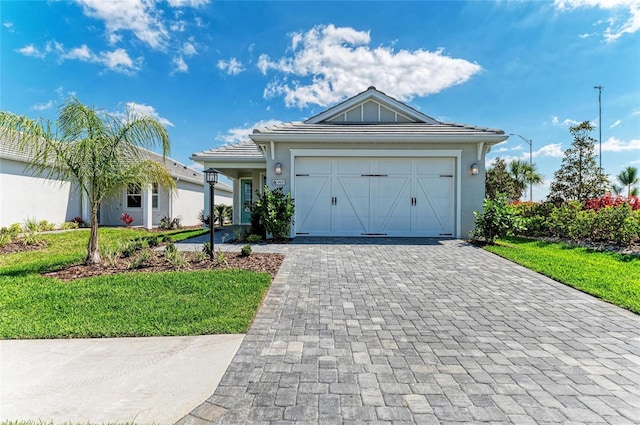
146,380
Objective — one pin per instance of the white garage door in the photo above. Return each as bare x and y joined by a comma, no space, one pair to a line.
374,196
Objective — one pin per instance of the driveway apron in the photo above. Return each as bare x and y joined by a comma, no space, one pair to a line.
426,331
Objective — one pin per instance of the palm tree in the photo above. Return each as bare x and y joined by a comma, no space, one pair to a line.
222,212
523,174
629,178
98,151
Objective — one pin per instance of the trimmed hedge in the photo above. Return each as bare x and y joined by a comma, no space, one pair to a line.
609,219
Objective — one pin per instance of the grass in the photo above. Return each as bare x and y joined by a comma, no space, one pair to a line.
610,276
128,304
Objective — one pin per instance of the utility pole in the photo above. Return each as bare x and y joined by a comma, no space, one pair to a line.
599,88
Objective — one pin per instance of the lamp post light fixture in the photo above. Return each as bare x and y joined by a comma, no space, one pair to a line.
211,177
278,169
474,170
530,143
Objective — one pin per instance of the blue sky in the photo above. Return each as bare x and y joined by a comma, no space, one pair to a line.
211,71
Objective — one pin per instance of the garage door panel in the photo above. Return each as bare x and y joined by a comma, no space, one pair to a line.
313,204
435,166
434,204
393,210
352,206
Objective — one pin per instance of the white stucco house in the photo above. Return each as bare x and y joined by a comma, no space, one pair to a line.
369,166
25,195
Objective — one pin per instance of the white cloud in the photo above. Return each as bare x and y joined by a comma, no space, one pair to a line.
232,67
82,53
188,49
336,62
8,25
137,16
616,145
553,150
555,120
179,65
42,106
31,50
147,110
190,3
567,122
615,124
625,17
241,134
119,61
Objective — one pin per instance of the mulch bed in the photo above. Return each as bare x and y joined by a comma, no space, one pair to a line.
268,263
13,247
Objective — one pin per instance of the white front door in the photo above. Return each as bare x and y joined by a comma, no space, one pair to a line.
374,196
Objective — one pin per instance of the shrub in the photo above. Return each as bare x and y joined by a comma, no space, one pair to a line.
203,219
615,224
139,260
245,251
128,248
80,221
496,221
535,217
126,219
170,247
9,234
31,225
168,223
561,218
110,255
199,256
153,241
31,238
206,249
176,259
241,233
253,238
15,229
582,226
45,226
275,210
69,225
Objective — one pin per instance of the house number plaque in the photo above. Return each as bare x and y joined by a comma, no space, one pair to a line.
278,182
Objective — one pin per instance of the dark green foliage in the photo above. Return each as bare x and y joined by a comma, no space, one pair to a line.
498,180
254,238
245,251
579,177
274,211
497,220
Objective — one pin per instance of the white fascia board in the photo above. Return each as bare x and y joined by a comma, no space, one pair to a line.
201,159
381,137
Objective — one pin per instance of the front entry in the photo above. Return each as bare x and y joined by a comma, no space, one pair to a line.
246,191
375,196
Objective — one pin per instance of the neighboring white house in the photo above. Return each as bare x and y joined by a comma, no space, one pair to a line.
24,195
370,165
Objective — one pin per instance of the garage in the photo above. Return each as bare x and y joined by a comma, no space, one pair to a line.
375,196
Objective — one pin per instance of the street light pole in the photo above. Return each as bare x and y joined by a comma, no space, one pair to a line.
211,177
599,88
530,143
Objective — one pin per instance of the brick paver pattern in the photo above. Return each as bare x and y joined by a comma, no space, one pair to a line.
426,331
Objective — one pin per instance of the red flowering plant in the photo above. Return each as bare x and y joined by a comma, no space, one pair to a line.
126,219
610,200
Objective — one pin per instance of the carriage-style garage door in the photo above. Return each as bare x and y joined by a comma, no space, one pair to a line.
374,196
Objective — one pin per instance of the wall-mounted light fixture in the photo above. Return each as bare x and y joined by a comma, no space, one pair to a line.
474,169
278,169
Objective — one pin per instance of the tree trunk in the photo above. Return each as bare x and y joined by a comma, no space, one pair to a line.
93,254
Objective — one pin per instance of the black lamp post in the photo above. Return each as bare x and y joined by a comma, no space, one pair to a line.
211,177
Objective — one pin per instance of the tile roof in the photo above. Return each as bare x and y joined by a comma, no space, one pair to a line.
243,151
405,130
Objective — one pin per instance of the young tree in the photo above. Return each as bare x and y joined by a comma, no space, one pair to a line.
523,174
498,180
579,177
98,151
629,178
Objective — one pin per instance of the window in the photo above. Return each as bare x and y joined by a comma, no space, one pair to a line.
154,196
134,195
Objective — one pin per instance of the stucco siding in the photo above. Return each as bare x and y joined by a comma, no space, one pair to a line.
187,202
23,195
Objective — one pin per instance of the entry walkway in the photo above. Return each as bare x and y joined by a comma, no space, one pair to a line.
426,331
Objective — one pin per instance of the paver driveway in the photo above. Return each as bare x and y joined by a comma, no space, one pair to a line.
419,331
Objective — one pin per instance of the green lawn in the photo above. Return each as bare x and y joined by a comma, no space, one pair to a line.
129,304
610,276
